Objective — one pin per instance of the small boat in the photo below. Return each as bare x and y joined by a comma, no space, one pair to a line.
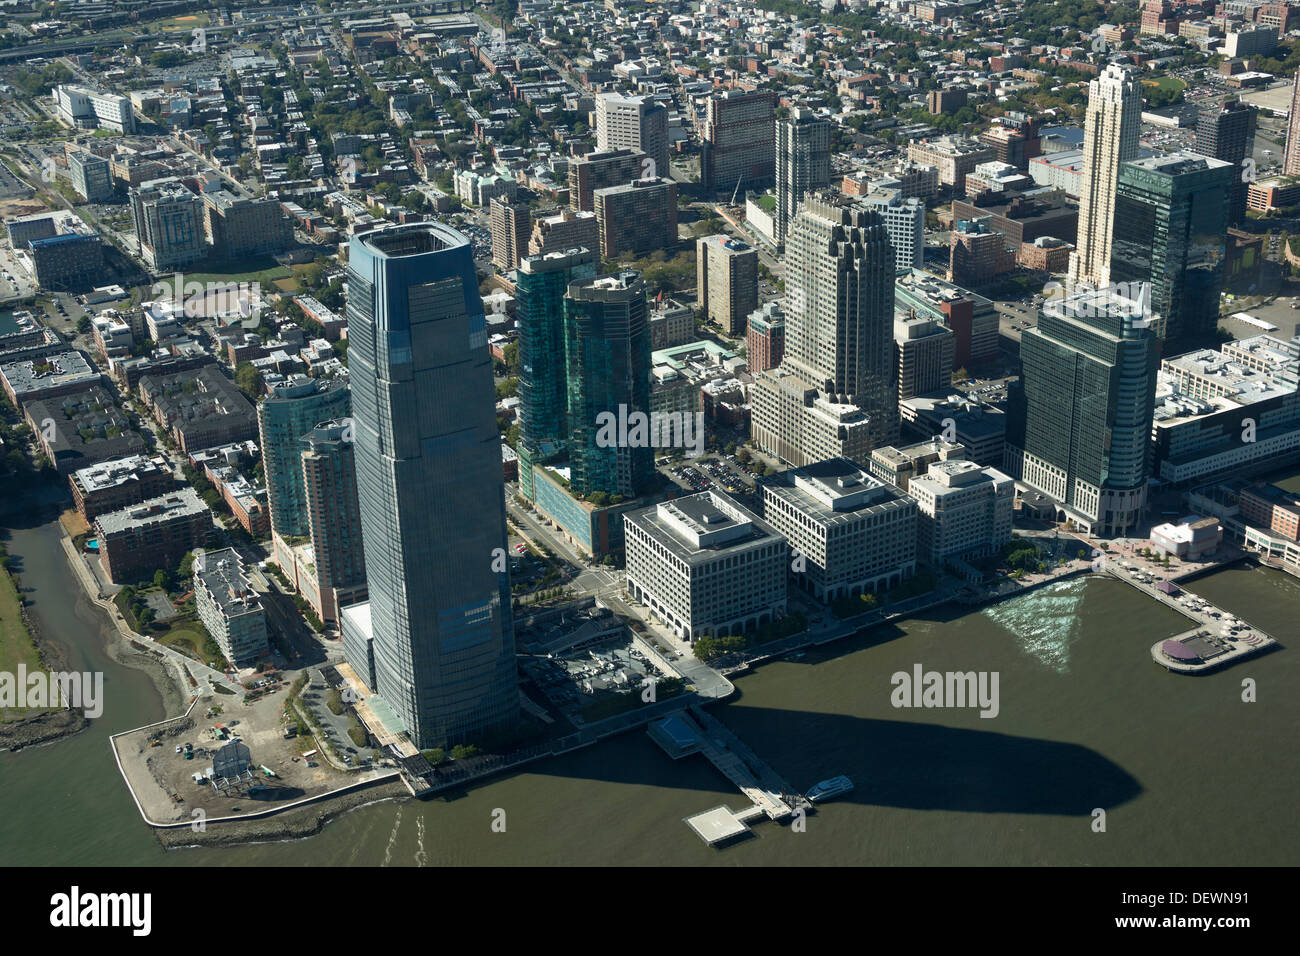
829,789
796,656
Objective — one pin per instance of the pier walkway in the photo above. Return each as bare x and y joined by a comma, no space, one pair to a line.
1218,639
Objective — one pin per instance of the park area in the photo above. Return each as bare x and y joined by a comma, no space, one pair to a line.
16,645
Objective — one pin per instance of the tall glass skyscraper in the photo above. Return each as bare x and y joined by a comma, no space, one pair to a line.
607,366
542,282
292,409
1079,419
1171,225
1227,132
430,488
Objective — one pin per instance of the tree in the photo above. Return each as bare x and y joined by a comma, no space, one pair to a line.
511,356
249,379
162,580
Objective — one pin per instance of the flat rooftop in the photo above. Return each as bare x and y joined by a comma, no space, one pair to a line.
834,491
183,503
697,528
222,573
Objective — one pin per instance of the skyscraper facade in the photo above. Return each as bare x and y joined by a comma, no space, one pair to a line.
1291,156
607,366
542,281
290,410
511,225
429,487
1079,419
726,284
333,514
738,141
834,394
1110,137
1227,132
1171,223
634,122
803,163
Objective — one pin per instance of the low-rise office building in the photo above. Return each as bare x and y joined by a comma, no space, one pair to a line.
965,510
900,464
705,566
850,533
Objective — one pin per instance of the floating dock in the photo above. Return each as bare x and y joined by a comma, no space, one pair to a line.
695,731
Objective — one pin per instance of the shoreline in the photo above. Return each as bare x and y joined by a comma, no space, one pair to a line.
48,726
292,823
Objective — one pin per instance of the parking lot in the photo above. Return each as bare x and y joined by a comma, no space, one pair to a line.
722,472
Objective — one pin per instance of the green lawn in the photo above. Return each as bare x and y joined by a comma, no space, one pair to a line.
264,270
1171,83
16,645
185,636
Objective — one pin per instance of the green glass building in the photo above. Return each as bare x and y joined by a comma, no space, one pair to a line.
292,409
541,283
607,368
1079,419
1171,225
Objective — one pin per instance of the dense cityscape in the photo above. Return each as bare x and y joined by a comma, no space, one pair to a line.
467,409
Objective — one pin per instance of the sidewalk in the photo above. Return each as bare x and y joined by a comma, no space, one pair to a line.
183,664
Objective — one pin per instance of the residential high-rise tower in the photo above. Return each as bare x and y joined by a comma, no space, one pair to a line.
1111,128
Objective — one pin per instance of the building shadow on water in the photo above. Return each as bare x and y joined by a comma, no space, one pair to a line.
893,763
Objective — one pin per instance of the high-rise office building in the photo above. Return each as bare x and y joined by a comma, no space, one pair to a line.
329,475
1110,137
1171,224
634,122
765,338
238,226
437,624
168,220
803,163
91,176
726,285
1080,416
738,141
835,392
1291,156
925,348
511,223
541,284
1227,132
905,222
291,409
607,364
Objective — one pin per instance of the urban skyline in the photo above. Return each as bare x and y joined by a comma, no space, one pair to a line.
570,434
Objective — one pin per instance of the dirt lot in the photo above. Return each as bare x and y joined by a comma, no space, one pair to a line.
9,208
162,779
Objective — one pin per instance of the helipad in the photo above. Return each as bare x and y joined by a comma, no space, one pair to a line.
717,825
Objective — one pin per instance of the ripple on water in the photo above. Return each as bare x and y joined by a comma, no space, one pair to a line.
1045,622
